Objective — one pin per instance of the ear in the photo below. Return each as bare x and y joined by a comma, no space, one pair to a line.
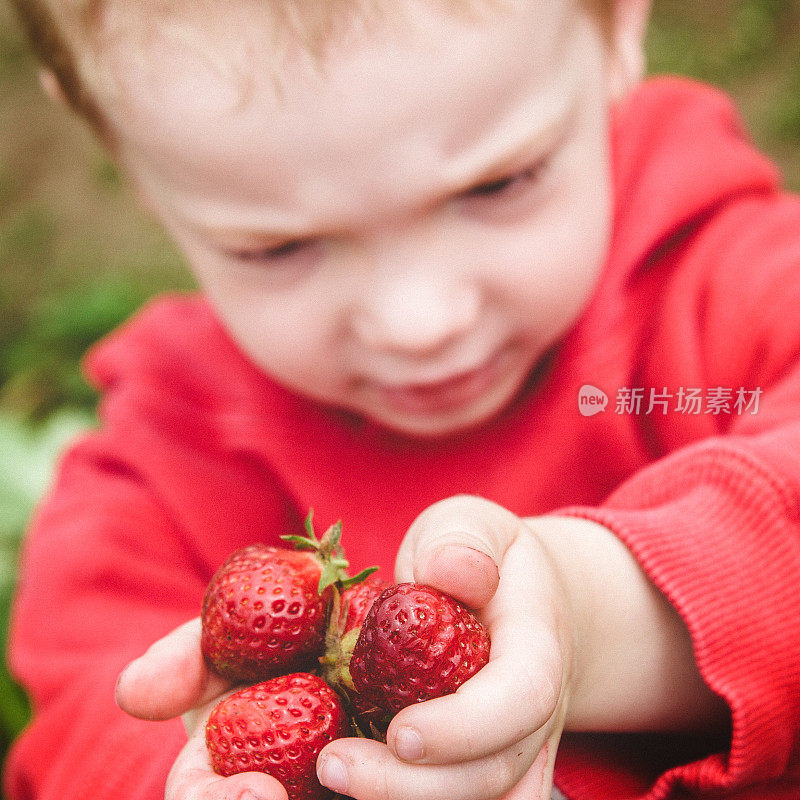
52,86
626,58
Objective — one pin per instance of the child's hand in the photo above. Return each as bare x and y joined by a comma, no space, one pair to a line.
171,679
581,640
497,735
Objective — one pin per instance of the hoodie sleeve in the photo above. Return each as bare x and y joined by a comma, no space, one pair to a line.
716,529
103,576
714,521
141,514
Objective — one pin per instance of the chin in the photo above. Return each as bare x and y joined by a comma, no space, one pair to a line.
441,426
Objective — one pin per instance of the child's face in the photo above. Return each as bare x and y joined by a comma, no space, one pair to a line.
402,232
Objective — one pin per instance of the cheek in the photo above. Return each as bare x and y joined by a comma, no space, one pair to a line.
281,325
552,266
294,348
287,333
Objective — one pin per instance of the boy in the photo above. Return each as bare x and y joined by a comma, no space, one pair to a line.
437,237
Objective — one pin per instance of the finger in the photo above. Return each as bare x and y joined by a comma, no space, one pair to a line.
195,719
456,546
462,572
515,694
192,778
367,770
482,717
170,678
537,782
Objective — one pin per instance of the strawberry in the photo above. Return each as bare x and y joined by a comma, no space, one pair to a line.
415,644
357,600
262,613
277,727
265,609
349,611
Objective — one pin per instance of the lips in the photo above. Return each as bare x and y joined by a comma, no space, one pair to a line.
447,394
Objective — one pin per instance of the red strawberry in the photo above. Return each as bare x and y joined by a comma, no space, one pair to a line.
262,613
357,601
265,609
415,644
278,727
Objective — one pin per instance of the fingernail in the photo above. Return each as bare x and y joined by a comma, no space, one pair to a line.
478,554
468,552
333,773
408,744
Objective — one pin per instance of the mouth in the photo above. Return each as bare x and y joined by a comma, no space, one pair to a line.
443,395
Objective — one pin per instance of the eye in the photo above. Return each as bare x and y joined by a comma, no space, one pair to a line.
285,252
511,197
493,187
506,184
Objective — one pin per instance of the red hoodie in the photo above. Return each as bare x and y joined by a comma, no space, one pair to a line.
200,453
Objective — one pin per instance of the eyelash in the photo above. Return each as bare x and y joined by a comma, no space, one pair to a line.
282,252
502,186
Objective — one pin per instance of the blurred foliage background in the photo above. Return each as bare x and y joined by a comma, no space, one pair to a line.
77,255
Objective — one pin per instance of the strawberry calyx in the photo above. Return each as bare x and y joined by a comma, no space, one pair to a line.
363,717
368,720
328,551
339,646
339,641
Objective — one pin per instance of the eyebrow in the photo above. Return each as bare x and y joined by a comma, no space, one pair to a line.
242,238
470,171
462,176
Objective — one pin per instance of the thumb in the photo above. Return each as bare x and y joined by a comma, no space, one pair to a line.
170,678
538,780
457,546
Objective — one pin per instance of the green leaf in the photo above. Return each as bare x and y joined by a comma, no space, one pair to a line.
309,525
300,542
347,679
361,576
348,644
308,542
28,453
329,575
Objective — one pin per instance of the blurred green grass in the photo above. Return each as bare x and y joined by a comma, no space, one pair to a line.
77,255
27,455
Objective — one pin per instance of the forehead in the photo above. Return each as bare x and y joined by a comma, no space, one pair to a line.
234,102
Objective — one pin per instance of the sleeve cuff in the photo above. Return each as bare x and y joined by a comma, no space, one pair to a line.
717,532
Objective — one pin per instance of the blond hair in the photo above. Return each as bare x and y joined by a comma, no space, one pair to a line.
65,35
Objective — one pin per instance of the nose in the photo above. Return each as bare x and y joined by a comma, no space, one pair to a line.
417,311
